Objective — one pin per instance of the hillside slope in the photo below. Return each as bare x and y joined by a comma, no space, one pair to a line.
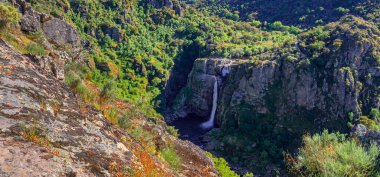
45,132
291,12
48,128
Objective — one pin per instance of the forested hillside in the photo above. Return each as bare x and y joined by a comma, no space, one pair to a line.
290,12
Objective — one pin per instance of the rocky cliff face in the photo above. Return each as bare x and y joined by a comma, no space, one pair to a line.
45,130
56,34
315,91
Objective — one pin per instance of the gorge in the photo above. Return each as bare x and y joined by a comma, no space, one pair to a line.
261,99
183,88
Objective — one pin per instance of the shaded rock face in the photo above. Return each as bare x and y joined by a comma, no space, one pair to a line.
365,135
171,4
60,32
56,31
44,132
292,92
114,33
53,63
31,21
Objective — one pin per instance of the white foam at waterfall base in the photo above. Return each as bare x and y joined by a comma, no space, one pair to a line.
210,123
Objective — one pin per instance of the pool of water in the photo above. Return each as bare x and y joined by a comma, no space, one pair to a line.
190,129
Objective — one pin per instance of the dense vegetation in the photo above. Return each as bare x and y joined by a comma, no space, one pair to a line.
135,45
290,12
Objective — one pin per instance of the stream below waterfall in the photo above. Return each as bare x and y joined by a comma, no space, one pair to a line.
190,129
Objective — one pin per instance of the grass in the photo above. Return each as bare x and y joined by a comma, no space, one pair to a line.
33,134
35,49
111,115
124,122
171,156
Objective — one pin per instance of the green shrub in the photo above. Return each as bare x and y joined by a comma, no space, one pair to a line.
248,175
124,122
171,156
72,80
35,49
342,10
277,26
332,154
108,92
369,123
173,131
9,15
256,23
222,166
76,68
374,114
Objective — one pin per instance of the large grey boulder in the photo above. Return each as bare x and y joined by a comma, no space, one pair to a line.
31,21
61,33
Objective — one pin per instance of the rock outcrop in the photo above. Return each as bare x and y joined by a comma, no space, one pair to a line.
171,4
56,31
45,132
55,34
366,136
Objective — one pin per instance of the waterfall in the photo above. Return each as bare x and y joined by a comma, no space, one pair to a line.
210,123
226,69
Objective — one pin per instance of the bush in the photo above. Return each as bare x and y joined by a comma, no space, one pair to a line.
256,23
124,122
342,10
332,154
222,166
9,15
173,131
75,83
72,80
369,123
35,49
374,114
277,26
108,92
171,156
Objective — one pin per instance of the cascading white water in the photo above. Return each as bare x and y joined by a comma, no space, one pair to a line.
226,69
210,123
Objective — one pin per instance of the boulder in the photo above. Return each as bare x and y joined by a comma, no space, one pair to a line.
115,33
365,135
61,33
359,130
31,21
103,66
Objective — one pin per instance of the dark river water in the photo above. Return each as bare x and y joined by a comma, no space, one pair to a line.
190,129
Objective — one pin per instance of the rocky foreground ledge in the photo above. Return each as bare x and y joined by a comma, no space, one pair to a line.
44,132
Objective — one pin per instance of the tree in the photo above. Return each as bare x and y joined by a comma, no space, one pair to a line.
375,114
